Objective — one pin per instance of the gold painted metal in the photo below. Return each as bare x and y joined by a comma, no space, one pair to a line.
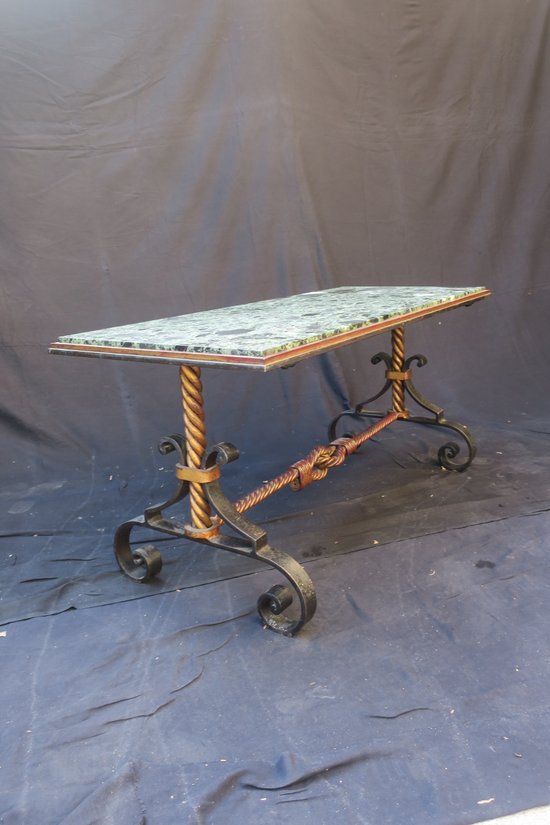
197,533
195,442
397,364
185,473
316,465
399,376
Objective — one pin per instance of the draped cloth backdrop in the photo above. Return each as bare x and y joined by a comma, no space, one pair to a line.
164,158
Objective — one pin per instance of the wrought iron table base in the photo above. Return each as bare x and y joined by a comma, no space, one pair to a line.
142,563
399,381
199,470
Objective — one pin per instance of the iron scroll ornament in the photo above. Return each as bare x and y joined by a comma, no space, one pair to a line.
143,563
449,451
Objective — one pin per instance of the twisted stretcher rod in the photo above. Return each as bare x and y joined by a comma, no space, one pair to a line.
313,467
316,465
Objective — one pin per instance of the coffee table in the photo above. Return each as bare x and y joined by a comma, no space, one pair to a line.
262,336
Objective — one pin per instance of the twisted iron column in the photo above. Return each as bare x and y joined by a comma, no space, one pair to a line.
396,370
195,441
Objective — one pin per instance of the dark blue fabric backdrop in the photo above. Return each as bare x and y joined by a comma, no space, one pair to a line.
159,159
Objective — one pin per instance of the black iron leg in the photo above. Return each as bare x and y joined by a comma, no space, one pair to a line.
399,381
273,604
143,563
284,608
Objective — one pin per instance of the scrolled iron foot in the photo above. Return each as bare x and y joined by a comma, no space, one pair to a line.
144,563
450,450
271,607
447,453
298,593
299,597
276,599
140,563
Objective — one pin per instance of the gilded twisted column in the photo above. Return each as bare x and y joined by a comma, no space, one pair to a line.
195,441
397,364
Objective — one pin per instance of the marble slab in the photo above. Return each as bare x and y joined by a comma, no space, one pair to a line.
269,333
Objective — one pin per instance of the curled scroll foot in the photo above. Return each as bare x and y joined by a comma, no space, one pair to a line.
448,452
140,563
272,606
285,608
148,557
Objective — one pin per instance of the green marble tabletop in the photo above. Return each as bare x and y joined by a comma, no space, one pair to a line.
269,333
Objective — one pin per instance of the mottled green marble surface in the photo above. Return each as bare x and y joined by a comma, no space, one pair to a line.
275,326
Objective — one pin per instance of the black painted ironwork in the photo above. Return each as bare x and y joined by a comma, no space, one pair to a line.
448,452
248,539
